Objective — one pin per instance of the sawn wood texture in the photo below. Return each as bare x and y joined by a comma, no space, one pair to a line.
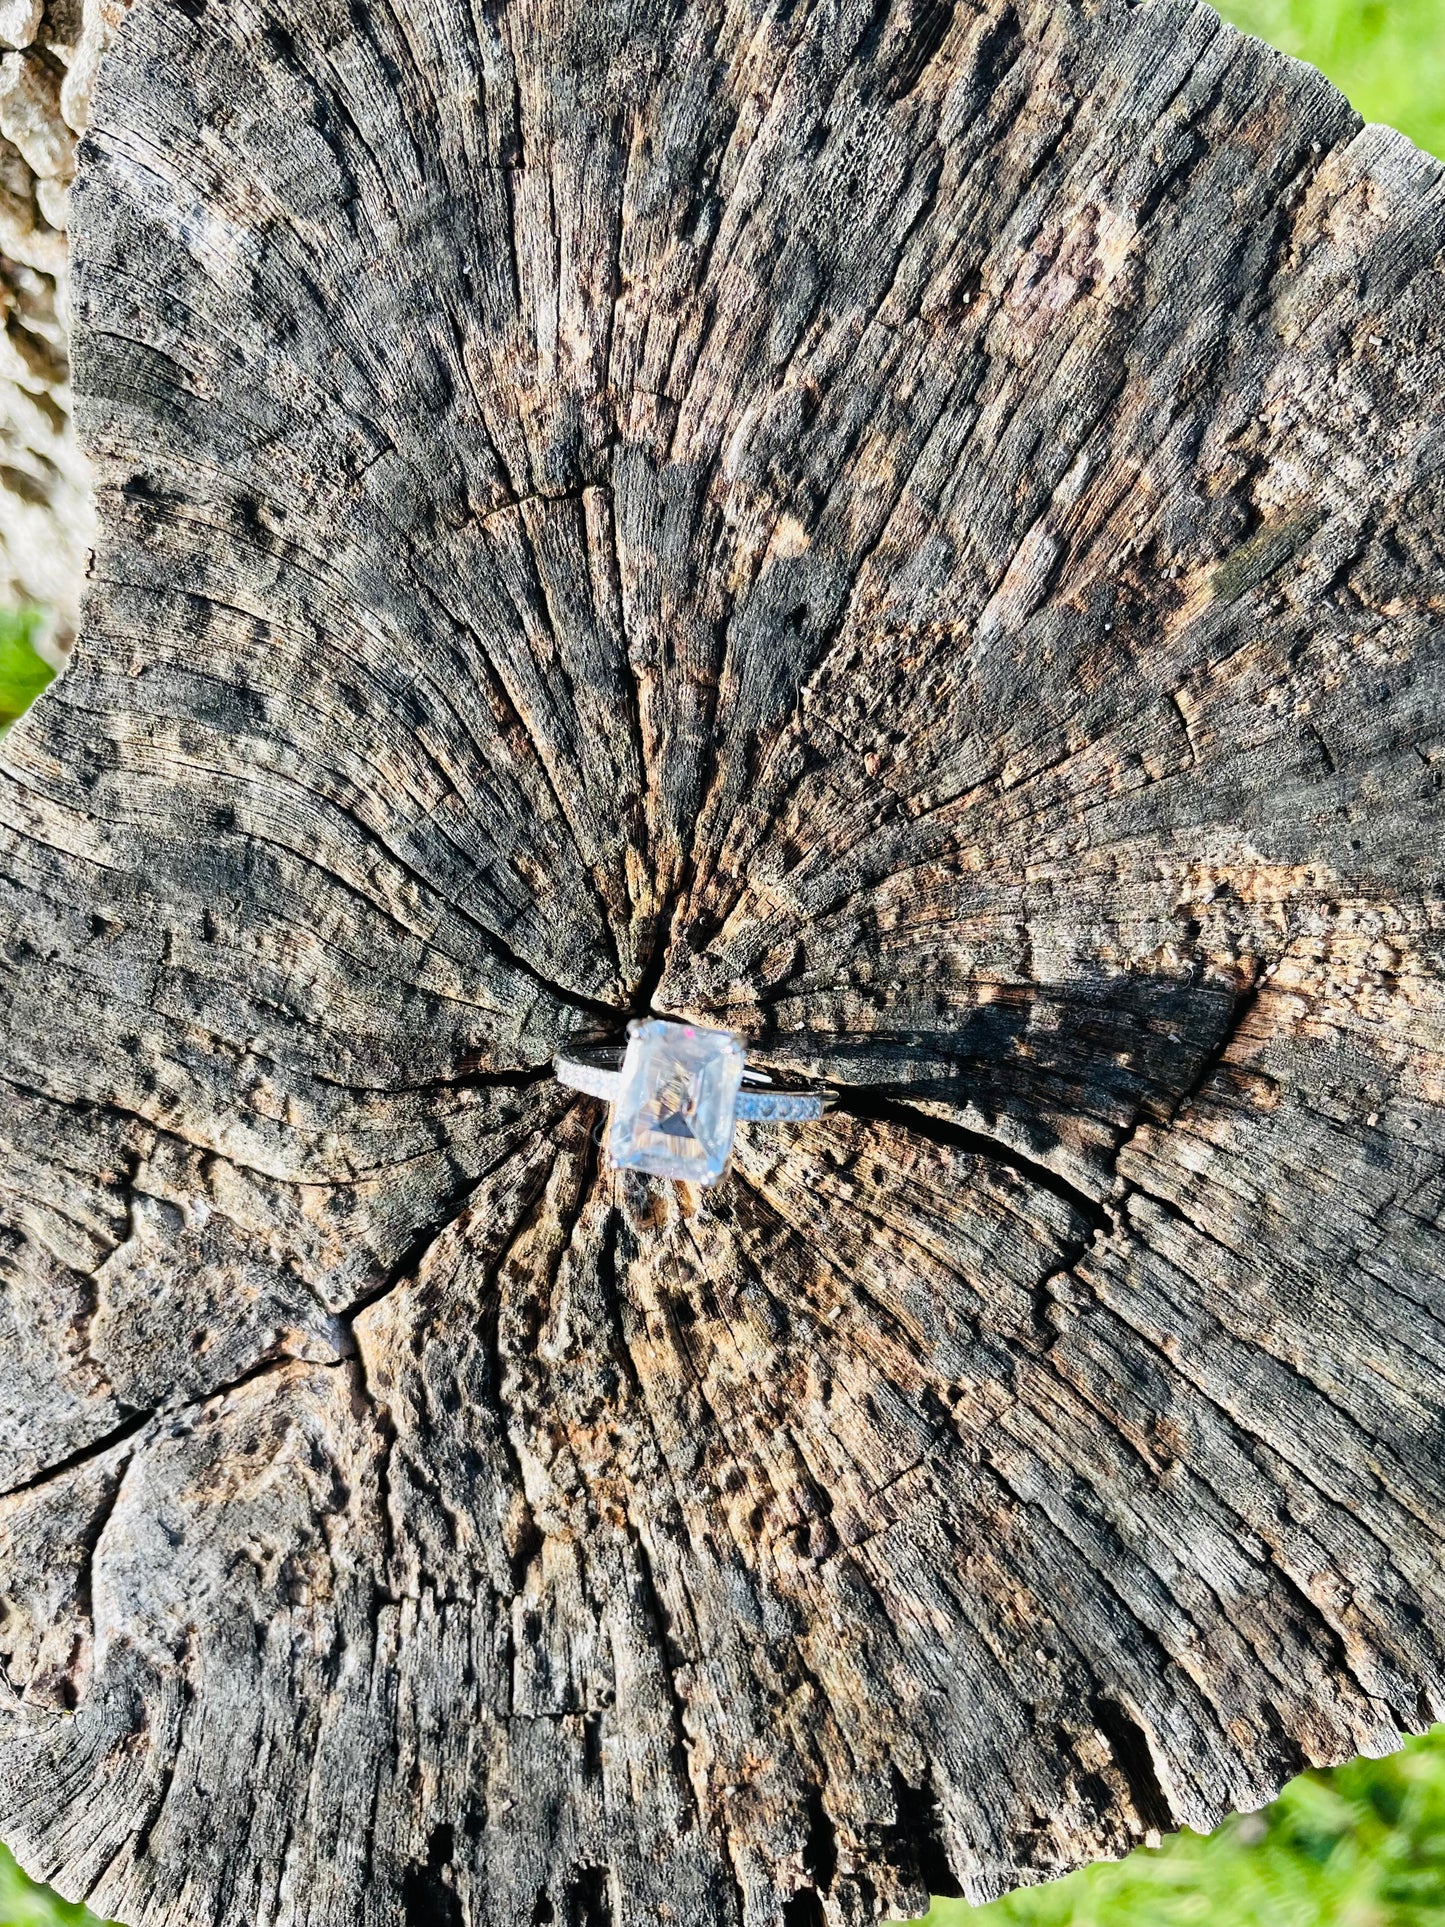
914,531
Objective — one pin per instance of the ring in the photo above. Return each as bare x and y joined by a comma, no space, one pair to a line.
677,1091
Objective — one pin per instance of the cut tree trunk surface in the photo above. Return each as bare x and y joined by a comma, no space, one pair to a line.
913,531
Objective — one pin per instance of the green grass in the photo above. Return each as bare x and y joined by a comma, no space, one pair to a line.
1360,1846
23,674
1386,56
23,1904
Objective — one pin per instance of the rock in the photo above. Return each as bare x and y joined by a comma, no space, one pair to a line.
53,200
25,237
46,81
19,22
101,19
61,28
45,515
28,359
30,114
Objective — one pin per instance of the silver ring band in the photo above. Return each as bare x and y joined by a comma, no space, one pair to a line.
584,1073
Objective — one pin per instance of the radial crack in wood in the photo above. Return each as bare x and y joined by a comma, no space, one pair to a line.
911,531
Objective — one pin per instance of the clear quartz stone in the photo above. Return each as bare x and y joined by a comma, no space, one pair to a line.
674,1112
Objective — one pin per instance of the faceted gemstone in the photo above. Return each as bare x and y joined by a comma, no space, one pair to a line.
673,1114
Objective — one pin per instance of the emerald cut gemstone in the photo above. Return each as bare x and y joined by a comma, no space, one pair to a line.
675,1110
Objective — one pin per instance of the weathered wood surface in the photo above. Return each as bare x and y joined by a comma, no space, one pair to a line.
916,532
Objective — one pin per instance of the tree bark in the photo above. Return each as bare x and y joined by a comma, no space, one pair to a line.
913,531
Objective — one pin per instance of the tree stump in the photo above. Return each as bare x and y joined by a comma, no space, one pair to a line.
911,530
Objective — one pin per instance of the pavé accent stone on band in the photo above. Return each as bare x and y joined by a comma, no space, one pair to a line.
678,1096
